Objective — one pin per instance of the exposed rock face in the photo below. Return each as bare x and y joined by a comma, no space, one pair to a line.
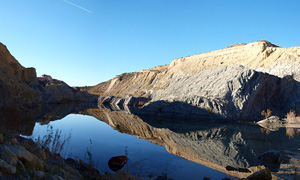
56,91
228,83
118,102
262,54
19,86
12,82
223,92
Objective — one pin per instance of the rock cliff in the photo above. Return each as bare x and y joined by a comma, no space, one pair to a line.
236,82
19,86
261,55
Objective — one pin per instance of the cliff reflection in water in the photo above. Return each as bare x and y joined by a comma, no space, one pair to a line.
210,144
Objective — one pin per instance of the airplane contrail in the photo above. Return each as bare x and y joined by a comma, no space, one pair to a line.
78,6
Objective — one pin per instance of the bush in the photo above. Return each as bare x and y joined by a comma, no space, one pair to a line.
266,114
291,117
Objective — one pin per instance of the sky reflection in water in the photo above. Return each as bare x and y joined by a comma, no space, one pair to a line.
144,157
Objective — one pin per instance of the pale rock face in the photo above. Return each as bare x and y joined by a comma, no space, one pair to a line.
261,55
231,92
229,83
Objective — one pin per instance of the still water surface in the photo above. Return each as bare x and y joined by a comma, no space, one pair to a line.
145,158
181,149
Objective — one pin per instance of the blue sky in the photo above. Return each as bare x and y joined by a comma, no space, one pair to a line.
85,42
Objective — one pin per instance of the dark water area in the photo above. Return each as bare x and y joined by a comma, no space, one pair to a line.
180,149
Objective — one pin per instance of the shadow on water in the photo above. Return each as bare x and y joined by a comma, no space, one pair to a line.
215,145
23,122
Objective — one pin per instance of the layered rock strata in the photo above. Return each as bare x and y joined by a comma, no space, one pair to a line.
227,92
236,82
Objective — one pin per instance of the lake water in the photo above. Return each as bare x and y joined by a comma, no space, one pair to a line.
180,149
144,157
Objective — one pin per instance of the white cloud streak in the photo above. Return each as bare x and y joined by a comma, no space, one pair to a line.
78,6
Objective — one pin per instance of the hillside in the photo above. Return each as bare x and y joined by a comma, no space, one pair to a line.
261,56
236,82
21,88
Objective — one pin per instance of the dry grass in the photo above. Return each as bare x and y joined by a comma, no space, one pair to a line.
266,114
53,140
265,130
291,132
291,118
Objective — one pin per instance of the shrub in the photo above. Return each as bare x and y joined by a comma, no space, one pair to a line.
266,114
291,117
290,132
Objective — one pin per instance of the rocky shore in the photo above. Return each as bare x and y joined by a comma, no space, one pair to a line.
21,158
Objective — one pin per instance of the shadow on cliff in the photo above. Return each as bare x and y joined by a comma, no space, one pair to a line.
163,112
280,95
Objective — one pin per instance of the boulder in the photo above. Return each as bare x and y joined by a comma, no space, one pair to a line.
273,123
106,100
7,168
7,155
26,157
264,174
272,156
38,175
135,101
1,138
21,165
70,173
57,177
50,177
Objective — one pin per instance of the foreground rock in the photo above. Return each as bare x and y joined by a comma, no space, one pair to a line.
264,174
23,159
